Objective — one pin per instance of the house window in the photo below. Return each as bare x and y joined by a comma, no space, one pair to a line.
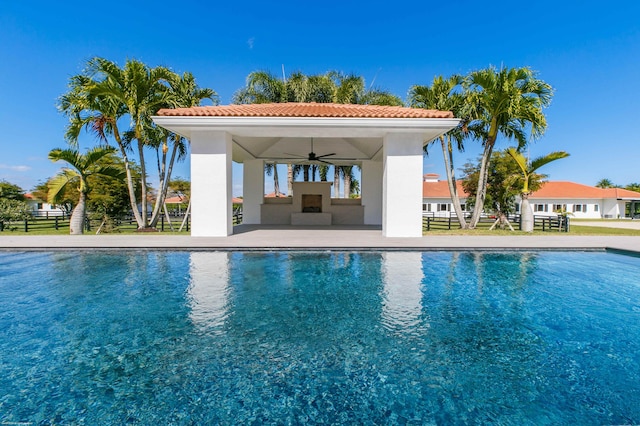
559,207
39,206
424,207
579,208
541,208
595,208
463,207
443,207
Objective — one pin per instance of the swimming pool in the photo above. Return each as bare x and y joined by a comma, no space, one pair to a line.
319,337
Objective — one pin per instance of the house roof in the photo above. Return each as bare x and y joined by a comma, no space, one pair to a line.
572,190
440,189
175,200
550,190
299,109
273,195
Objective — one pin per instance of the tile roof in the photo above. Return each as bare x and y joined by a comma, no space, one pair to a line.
175,200
273,195
295,109
440,189
551,189
563,189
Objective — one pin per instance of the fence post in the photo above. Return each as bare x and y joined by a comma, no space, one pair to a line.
188,222
26,225
162,223
56,224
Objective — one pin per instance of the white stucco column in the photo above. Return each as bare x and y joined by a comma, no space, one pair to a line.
211,196
252,190
402,185
371,189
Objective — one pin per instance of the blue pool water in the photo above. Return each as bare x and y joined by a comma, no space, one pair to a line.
320,337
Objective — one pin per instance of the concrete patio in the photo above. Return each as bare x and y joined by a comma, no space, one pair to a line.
261,238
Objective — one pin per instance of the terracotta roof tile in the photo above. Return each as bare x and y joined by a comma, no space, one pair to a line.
175,200
440,189
293,109
551,189
562,189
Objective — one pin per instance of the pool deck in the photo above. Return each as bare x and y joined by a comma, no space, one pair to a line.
262,238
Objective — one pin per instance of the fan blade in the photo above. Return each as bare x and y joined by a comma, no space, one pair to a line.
325,155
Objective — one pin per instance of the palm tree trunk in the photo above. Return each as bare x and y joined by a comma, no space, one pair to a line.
127,169
143,179
289,179
186,216
483,176
347,182
276,180
76,223
336,181
447,152
526,215
164,187
305,172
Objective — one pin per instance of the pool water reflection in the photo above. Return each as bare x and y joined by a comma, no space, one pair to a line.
312,337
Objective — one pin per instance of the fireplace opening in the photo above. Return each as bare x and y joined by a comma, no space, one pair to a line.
311,203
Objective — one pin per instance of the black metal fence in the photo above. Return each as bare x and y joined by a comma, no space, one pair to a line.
540,223
40,221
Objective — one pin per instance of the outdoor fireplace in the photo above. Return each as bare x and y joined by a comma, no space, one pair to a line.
311,203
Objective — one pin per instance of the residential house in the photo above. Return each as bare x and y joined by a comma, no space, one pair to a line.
581,201
436,198
40,208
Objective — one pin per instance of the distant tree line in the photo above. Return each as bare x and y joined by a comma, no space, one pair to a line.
115,105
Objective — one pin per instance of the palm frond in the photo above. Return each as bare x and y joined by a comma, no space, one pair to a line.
58,184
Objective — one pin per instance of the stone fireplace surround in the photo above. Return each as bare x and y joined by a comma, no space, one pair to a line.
312,205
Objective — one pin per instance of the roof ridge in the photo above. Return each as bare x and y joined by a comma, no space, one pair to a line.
305,109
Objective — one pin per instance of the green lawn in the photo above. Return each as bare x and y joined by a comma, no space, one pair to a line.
128,229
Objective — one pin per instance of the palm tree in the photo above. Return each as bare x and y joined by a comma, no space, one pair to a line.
141,90
528,169
605,183
82,166
99,115
445,95
272,169
105,93
506,103
183,92
333,86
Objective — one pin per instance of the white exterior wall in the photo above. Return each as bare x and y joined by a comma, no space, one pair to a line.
591,212
252,191
371,189
613,209
434,202
402,185
47,210
211,185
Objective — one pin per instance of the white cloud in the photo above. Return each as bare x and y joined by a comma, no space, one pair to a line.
15,168
250,42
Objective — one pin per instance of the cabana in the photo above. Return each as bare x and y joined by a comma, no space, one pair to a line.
385,142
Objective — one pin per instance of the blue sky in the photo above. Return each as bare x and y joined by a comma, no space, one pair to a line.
589,54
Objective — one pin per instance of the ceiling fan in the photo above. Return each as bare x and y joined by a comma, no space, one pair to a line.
313,157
